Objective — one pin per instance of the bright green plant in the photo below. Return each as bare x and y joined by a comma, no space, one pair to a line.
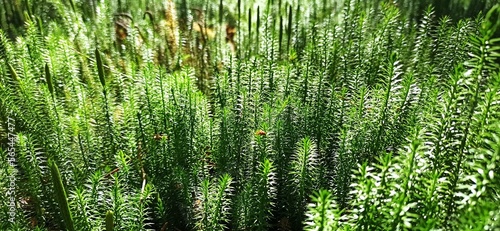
61,198
211,115
110,226
322,214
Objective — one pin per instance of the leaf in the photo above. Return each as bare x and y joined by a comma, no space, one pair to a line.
100,68
49,80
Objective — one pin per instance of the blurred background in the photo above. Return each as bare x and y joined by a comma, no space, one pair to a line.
13,12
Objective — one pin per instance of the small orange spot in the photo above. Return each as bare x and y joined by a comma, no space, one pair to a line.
260,133
159,136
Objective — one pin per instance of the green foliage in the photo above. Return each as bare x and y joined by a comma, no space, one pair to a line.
213,205
110,226
322,214
250,115
61,198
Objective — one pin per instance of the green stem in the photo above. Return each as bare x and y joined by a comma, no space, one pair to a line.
61,197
